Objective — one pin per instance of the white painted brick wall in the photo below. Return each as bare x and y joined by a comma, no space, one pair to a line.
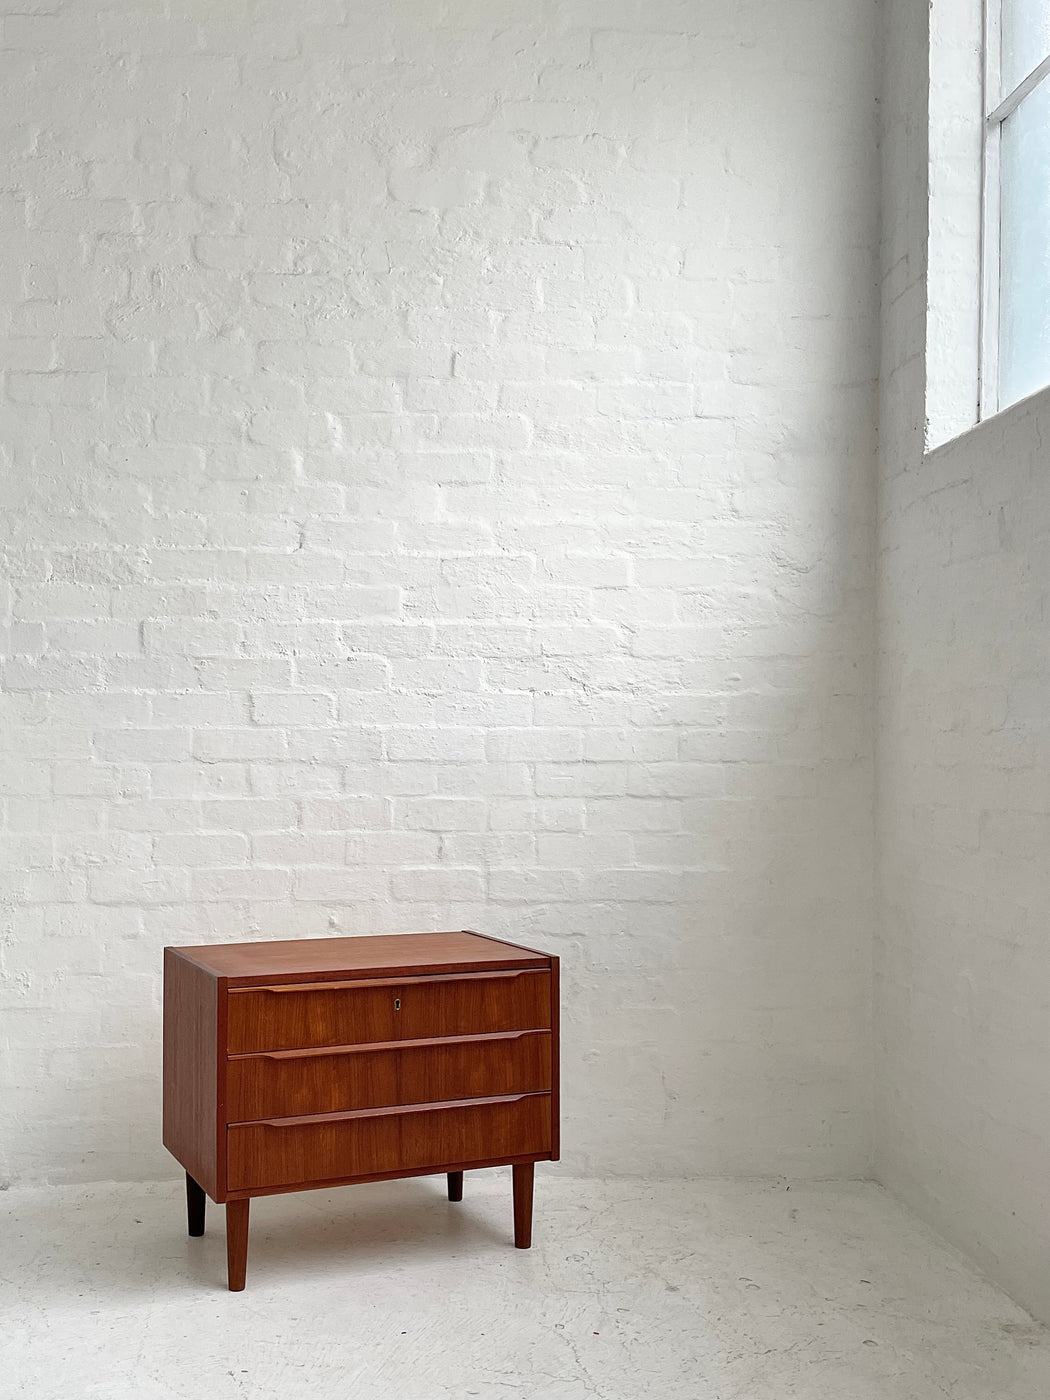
962,957
437,491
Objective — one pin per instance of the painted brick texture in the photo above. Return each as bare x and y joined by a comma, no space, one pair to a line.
962,959
437,457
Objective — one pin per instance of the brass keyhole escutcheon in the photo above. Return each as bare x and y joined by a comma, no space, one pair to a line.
397,1003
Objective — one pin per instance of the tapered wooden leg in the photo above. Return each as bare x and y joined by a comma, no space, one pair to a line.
523,1176
236,1243
455,1186
195,1199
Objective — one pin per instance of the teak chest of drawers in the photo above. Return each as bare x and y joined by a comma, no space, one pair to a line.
322,1062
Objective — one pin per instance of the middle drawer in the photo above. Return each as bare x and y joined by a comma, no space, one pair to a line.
294,1082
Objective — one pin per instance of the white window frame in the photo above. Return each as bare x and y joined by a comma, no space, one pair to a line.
993,117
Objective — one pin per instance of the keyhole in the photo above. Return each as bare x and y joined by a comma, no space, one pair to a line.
397,1003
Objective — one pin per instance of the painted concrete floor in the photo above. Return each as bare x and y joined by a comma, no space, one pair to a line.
672,1290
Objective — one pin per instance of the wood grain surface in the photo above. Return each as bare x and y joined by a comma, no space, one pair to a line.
307,959
293,1017
192,1070
289,1082
289,1150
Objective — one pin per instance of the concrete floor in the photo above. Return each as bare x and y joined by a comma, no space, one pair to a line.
677,1290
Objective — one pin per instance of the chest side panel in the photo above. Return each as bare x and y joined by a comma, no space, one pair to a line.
555,1099
192,1063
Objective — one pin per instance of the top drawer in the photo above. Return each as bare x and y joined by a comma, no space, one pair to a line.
349,1013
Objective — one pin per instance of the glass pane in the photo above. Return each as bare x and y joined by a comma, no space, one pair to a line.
1026,39
1024,322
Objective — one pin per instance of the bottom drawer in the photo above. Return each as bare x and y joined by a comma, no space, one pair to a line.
282,1152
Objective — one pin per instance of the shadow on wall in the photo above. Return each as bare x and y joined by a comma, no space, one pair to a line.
115,1134
717,1003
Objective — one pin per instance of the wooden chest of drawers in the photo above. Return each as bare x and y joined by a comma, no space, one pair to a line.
322,1062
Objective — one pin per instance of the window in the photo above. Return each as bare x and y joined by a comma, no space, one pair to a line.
1015,335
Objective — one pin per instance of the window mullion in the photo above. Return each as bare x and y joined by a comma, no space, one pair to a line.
988,383
1013,100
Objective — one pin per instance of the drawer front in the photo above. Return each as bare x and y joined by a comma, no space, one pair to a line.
347,1013
292,1151
290,1082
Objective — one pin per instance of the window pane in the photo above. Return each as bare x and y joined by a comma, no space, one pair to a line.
1026,39
1024,341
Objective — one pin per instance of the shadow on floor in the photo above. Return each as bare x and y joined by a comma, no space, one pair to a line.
135,1239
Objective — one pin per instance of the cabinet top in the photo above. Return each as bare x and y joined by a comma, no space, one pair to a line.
409,954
